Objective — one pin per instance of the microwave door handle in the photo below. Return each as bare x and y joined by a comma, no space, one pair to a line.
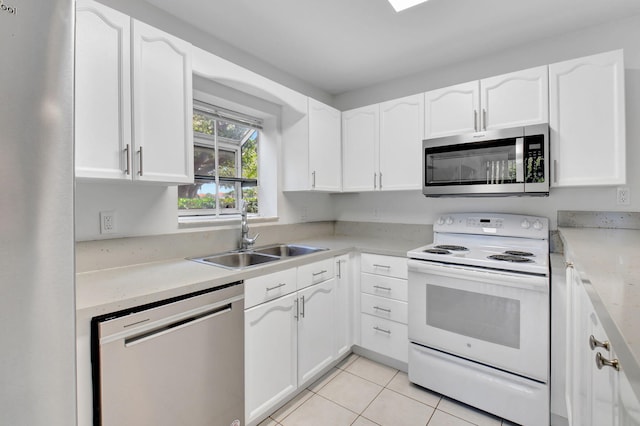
519,159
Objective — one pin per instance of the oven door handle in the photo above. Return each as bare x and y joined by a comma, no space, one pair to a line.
523,281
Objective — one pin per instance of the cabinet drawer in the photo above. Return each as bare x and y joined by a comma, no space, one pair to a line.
315,273
267,287
379,285
385,337
389,266
383,307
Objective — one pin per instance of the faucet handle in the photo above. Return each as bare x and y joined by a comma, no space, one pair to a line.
253,240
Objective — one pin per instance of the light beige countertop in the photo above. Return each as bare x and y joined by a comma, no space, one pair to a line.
608,261
109,290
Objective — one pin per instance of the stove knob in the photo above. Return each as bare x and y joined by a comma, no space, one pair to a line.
440,220
537,225
449,220
525,224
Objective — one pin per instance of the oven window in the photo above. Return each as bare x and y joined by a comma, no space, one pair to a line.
484,317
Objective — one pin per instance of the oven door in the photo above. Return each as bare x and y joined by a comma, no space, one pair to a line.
500,319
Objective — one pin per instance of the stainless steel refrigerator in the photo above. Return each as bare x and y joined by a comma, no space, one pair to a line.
37,302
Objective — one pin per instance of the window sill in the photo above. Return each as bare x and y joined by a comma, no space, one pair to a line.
187,222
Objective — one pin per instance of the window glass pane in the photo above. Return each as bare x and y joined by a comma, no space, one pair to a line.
197,197
204,161
227,160
232,131
250,157
202,123
228,195
250,195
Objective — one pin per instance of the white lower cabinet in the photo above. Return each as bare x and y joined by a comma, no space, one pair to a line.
294,337
383,305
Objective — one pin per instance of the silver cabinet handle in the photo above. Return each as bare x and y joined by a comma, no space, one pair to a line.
339,263
381,266
315,274
140,169
379,287
375,176
296,315
380,179
276,287
475,120
484,119
126,153
302,308
382,330
602,362
313,179
378,308
595,343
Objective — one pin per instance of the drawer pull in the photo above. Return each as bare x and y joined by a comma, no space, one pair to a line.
276,287
595,343
382,309
382,330
381,266
315,274
602,361
379,287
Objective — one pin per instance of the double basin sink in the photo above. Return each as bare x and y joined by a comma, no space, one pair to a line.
240,259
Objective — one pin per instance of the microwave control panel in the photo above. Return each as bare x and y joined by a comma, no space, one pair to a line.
534,159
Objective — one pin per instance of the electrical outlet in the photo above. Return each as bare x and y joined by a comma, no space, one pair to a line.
624,196
108,222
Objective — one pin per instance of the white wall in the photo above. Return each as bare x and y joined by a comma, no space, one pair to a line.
412,207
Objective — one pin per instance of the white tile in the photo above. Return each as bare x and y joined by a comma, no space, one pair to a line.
361,421
318,411
440,418
350,391
392,409
322,381
401,384
468,413
372,371
290,406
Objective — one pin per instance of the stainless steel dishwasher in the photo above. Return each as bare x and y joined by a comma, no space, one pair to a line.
175,362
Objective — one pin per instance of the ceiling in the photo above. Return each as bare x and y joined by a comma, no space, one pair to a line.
344,45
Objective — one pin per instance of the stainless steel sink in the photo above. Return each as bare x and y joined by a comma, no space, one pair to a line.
288,250
237,260
242,259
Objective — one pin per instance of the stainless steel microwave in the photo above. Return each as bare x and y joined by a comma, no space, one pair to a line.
513,161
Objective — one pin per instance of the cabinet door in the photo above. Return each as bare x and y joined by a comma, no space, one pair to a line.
360,135
452,110
604,382
162,106
103,92
270,333
587,121
325,167
401,134
629,403
516,99
343,305
316,327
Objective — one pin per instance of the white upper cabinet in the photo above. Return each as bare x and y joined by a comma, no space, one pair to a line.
103,92
325,167
133,99
587,121
162,106
451,110
360,139
401,134
516,99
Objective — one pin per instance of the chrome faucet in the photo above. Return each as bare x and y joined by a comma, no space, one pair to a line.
245,242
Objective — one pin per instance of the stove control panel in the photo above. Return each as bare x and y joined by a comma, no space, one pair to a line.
493,224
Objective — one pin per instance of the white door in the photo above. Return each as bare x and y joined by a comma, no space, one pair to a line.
587,121
325,167
103,92
162,106
452,110
516,99
360,136
316,328
270,354
401,134
343,305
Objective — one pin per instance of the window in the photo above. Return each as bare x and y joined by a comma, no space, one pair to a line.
225,163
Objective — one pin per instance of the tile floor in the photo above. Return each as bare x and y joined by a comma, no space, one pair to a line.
361,392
